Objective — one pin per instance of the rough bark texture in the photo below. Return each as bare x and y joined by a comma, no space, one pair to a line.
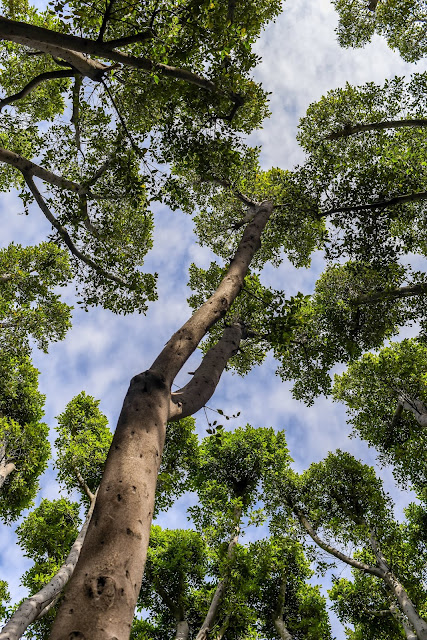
100,600
39,604
405,603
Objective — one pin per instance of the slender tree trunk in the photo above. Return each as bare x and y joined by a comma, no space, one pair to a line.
37,605
281,629
278,621
6,467
182,630
101,596
405,603
397,615
222,584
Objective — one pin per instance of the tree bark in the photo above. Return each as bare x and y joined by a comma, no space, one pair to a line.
405,603
279,623
182,630
6,469
34,607
101,596
357,564
350,130
71,47
222,584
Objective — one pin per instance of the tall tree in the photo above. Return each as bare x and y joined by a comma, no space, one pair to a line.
340,501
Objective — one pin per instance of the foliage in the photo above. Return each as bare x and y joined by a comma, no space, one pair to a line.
23,437
401,23
371,389
28,305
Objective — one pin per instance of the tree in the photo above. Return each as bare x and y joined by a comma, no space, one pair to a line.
340,501
385,396
194,98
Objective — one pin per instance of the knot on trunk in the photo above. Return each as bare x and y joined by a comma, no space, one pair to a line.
102,591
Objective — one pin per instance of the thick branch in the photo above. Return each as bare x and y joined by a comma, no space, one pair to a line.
31,608
201,387
349,130
66,237
29,168
357,564
416,407
380,204
42,77
391,294
6,469
182,630
49,41
219,591
75,116
182,344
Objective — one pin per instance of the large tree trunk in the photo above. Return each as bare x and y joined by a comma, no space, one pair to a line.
100,600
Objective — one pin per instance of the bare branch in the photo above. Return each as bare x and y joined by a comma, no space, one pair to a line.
105,20
42,77
349,129
357,564
219,591
392,294
202,386
29,168
69,47
380,204
75,116
182,344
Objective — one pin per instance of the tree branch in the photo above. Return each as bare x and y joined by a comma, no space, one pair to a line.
182,344
42,77
219,591
351,129
380,204
75,116
66,237
202,386
105,19
29,169
357,564
31,608
69,47
391,294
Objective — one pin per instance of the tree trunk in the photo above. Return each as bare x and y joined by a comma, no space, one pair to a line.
101,596
405,603
222,584
6,467
182,630
281,629
37,605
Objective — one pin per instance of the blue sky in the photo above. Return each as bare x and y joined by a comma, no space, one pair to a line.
301,61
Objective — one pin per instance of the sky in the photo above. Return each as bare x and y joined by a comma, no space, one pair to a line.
102,352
